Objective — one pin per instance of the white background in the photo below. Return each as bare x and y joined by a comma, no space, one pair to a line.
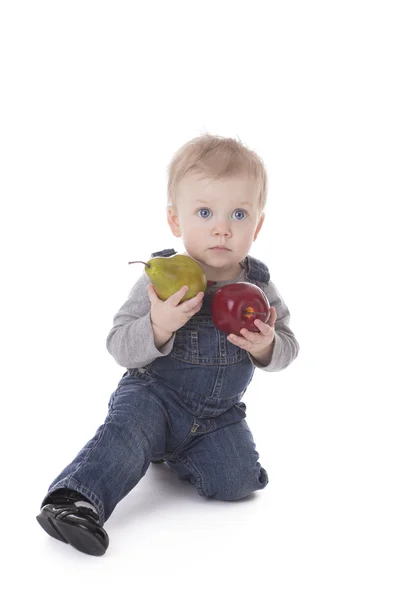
95,98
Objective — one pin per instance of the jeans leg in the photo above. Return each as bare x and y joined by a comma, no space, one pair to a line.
119,454
222,464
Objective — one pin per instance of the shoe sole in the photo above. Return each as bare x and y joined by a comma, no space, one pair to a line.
74,535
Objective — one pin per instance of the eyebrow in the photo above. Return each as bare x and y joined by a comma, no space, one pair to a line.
210,202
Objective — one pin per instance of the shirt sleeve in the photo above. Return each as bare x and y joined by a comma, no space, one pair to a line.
286,347
131,340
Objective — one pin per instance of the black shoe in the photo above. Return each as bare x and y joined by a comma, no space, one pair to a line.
75,525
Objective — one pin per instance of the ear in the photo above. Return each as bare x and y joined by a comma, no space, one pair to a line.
173,221
260,224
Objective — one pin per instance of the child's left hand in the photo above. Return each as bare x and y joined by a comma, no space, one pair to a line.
254,342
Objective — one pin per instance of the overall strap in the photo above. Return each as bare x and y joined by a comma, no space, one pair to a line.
256,270
166,252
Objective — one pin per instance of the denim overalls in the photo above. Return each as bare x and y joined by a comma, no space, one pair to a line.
185,408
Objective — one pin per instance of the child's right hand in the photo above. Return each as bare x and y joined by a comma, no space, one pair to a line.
168,315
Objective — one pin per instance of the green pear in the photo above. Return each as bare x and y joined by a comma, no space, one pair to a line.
169,273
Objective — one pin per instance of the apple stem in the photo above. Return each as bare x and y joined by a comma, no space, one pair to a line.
132,262
253,312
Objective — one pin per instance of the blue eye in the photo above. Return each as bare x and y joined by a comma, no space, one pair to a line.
240,211
201,211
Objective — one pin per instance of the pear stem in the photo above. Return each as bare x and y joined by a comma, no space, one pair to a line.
138,261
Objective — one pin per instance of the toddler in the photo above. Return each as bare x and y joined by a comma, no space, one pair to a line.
179,400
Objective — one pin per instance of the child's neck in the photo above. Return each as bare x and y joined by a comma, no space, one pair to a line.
214,275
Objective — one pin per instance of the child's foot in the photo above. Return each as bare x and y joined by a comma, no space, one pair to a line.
77,525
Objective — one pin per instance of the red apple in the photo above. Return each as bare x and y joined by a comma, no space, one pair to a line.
237,305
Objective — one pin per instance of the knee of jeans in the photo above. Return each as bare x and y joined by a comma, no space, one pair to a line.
236,486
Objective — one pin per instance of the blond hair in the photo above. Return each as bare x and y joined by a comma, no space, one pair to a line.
216,157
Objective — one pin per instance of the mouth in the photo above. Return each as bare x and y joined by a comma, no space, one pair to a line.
220,248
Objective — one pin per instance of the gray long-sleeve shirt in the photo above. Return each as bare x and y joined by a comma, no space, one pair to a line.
131,340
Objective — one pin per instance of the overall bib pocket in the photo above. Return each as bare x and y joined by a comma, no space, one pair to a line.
186,346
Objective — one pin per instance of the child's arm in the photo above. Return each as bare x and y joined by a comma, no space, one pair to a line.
286,347
131,340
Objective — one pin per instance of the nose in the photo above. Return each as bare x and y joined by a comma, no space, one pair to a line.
222,228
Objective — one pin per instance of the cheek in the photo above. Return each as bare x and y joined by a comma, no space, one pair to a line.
245,230
192,233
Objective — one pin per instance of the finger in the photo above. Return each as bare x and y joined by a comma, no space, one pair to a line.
238,341
252,336
272,317
264,328
175,299
152,293
194,303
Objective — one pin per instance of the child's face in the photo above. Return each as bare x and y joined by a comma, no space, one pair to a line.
211,213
